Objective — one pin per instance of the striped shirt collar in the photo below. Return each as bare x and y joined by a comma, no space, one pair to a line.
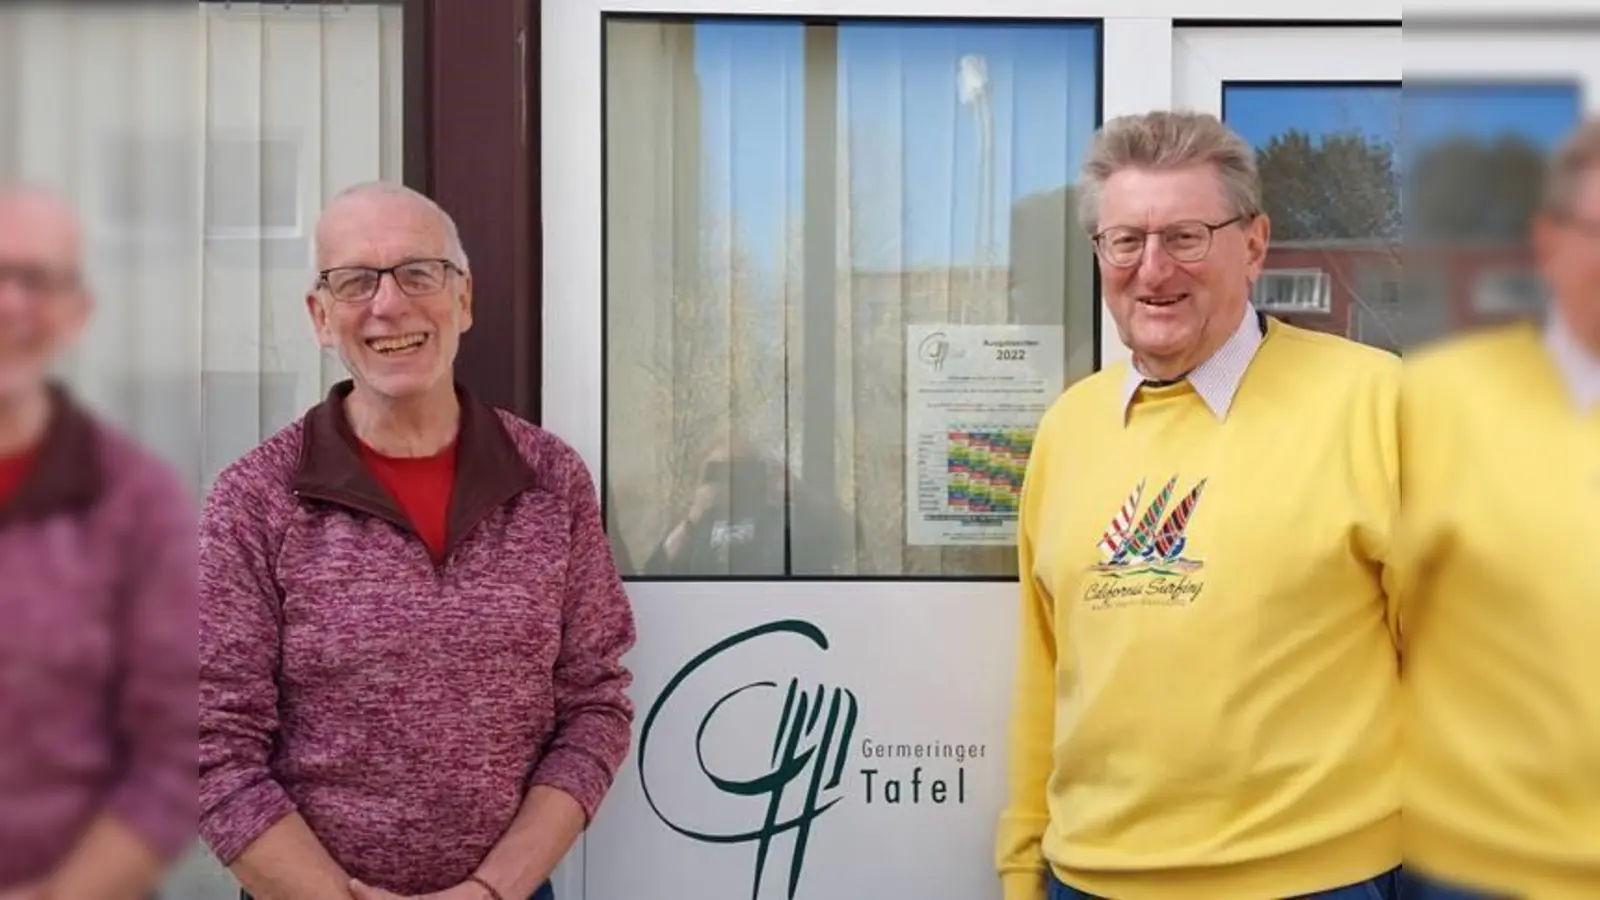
1217,379
1579,367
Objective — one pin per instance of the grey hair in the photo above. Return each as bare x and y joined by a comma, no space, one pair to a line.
452,236
1164,140
1573,161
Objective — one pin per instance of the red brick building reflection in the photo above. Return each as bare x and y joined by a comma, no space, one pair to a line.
1393,295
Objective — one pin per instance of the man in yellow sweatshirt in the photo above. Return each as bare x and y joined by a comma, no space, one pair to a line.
1499,555
1206,700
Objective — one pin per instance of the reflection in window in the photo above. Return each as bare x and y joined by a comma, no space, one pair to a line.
1379,282
1475,158
785,204
1509,292
1293,291
1331,186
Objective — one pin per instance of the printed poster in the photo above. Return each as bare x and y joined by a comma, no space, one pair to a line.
974,395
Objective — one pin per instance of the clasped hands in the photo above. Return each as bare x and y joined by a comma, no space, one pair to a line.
466,891
358,891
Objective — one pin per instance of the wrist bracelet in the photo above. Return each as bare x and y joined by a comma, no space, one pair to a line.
473,879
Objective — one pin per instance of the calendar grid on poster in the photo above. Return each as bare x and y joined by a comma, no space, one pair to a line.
984,466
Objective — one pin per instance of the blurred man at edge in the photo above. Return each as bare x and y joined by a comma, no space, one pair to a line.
98,667
1500,596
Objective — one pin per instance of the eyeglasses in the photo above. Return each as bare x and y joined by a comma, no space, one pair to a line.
415,278
1589,227
37,280
1188,241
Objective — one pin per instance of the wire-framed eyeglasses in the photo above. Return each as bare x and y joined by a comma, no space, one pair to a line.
415,278
1123,246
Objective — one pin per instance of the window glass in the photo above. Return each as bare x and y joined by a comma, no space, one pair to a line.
1289,291
843,274
197,142
1475,158
1330,173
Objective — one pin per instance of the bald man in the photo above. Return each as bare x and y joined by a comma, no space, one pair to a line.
411,625
97,605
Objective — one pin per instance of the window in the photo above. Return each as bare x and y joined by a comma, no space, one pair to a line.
1510,292
1286,291
1475,158
1376,304
1476,154
253,188
1389,292
1330,182
197,140
1428,311
148,193
143,192
816,236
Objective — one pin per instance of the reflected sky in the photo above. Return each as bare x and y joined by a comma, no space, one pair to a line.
914,158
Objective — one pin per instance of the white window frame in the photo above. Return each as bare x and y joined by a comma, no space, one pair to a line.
1206,59
1321,290
1457,51
1528,13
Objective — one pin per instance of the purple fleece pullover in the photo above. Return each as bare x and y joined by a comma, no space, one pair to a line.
404,708
97,648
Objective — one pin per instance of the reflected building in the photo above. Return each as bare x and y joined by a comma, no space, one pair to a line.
1397,296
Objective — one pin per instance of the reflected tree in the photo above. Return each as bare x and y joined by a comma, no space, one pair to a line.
1338,186
1465,189
1342,188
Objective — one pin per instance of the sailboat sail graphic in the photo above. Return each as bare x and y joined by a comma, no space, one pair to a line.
1156,543
1142,536
1122,526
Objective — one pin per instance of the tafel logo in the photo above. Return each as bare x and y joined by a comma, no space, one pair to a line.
810,747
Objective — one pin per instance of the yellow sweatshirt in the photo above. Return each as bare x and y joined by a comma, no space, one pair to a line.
1206,699
1500,556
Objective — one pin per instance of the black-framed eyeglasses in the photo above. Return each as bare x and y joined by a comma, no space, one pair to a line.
39,281
415,278
1123,246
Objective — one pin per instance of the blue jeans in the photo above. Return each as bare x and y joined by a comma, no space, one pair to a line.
1416,886
1383,887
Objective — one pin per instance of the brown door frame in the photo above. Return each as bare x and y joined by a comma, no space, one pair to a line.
472,144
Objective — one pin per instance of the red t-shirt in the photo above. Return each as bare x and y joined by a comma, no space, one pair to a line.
13,469
422,486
